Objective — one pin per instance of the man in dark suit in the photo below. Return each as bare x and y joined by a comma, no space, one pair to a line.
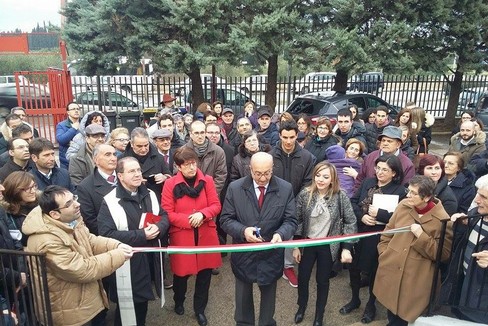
162,140
94,187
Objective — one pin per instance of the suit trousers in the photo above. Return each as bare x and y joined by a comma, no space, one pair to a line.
323,257
140,310
244,313
202,285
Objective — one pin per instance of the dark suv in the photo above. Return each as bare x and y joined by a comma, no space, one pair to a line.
328,104
481,109
367,82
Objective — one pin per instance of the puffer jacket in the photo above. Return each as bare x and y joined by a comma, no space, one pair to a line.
318,146
357,131
76,261
270,135
463,188
372,133
79,140
475,146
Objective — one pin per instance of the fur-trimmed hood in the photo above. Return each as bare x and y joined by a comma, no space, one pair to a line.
480,137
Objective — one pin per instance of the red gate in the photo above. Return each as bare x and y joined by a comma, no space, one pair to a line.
44,95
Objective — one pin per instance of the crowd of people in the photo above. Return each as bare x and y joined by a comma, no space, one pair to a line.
204,179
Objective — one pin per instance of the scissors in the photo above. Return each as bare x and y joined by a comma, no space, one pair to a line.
258,233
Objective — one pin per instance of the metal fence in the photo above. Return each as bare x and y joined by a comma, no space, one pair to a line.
30,303
131,93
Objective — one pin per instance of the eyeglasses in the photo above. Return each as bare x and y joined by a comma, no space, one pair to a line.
75,109
213,132
251,140
198,133
21,147
411,193
31,188
259,175
122,140
69,203
322,128
98,136
384,170
301,123
188,164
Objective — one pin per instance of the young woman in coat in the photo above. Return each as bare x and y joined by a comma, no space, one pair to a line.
323,210
388,181
407,260
192,204
323,139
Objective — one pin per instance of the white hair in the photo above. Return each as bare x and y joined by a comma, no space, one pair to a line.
482,183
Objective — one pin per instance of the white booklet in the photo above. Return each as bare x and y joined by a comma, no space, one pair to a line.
386,202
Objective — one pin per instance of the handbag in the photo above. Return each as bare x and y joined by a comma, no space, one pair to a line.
418,154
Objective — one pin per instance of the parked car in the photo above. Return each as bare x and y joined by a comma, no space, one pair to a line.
481,109
255,83
111,101
33,97
10,80
229,96
315,81
469,96
182,88
367,82
327,104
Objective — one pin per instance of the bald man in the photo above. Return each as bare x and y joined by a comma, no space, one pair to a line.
258,208
468,141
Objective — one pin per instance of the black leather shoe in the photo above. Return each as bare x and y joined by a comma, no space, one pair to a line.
299,315
350,306
215,271
369,314
201,319
180,310
318,322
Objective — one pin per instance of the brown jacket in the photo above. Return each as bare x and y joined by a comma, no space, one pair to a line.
406,263
76,261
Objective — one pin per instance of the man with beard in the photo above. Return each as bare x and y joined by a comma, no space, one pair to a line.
467,142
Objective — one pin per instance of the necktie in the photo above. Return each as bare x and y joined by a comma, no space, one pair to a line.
111,178
166,158
261,196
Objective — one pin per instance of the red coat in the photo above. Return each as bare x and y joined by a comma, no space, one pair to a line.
180,231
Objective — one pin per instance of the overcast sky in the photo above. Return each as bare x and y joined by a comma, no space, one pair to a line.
25,14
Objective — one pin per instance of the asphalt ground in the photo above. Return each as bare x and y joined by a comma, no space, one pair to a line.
220,309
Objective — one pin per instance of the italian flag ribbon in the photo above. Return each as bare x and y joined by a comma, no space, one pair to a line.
247,247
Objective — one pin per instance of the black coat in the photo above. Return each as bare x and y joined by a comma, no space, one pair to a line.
240,210
140,263
366,252
296,168
318,146
463,188
153,164
357,131
446,196
229,156
59,177
11,167
90,196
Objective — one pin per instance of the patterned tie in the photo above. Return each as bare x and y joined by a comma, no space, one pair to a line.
262,189
166,158
111,178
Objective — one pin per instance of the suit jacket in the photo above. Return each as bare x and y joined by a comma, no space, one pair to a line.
90,196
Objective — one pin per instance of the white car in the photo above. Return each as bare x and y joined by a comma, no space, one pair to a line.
316,82
469,96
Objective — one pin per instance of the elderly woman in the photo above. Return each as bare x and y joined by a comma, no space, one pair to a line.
323,210
19,197
323,139
250,145
407,260
460,180
249,111
387,181
433,167
119,138
192,204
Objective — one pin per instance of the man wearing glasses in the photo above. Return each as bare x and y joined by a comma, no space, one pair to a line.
258,208
18,150
66,130
76,260
81,164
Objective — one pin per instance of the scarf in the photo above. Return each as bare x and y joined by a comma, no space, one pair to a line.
200,150
182,189
427,208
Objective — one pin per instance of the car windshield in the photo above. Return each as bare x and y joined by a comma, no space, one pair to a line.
308,106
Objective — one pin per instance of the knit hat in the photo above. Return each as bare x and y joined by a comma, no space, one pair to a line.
335,152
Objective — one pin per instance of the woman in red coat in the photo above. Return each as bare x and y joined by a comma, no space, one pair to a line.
191,201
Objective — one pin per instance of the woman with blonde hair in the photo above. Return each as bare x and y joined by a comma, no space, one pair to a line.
119,138
422,123
323,210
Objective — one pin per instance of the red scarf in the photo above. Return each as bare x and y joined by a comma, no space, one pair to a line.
426,209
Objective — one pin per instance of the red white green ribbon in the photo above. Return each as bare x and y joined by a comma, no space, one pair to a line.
245,247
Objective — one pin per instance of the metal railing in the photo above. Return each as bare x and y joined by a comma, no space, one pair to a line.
29,303
139,92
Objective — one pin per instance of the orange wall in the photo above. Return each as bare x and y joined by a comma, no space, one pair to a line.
14,43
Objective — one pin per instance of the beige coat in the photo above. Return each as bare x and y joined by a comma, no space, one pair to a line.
76,262
406,263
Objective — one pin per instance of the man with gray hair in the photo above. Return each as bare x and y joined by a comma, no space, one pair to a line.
468,142
469,264
154,168
243,125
